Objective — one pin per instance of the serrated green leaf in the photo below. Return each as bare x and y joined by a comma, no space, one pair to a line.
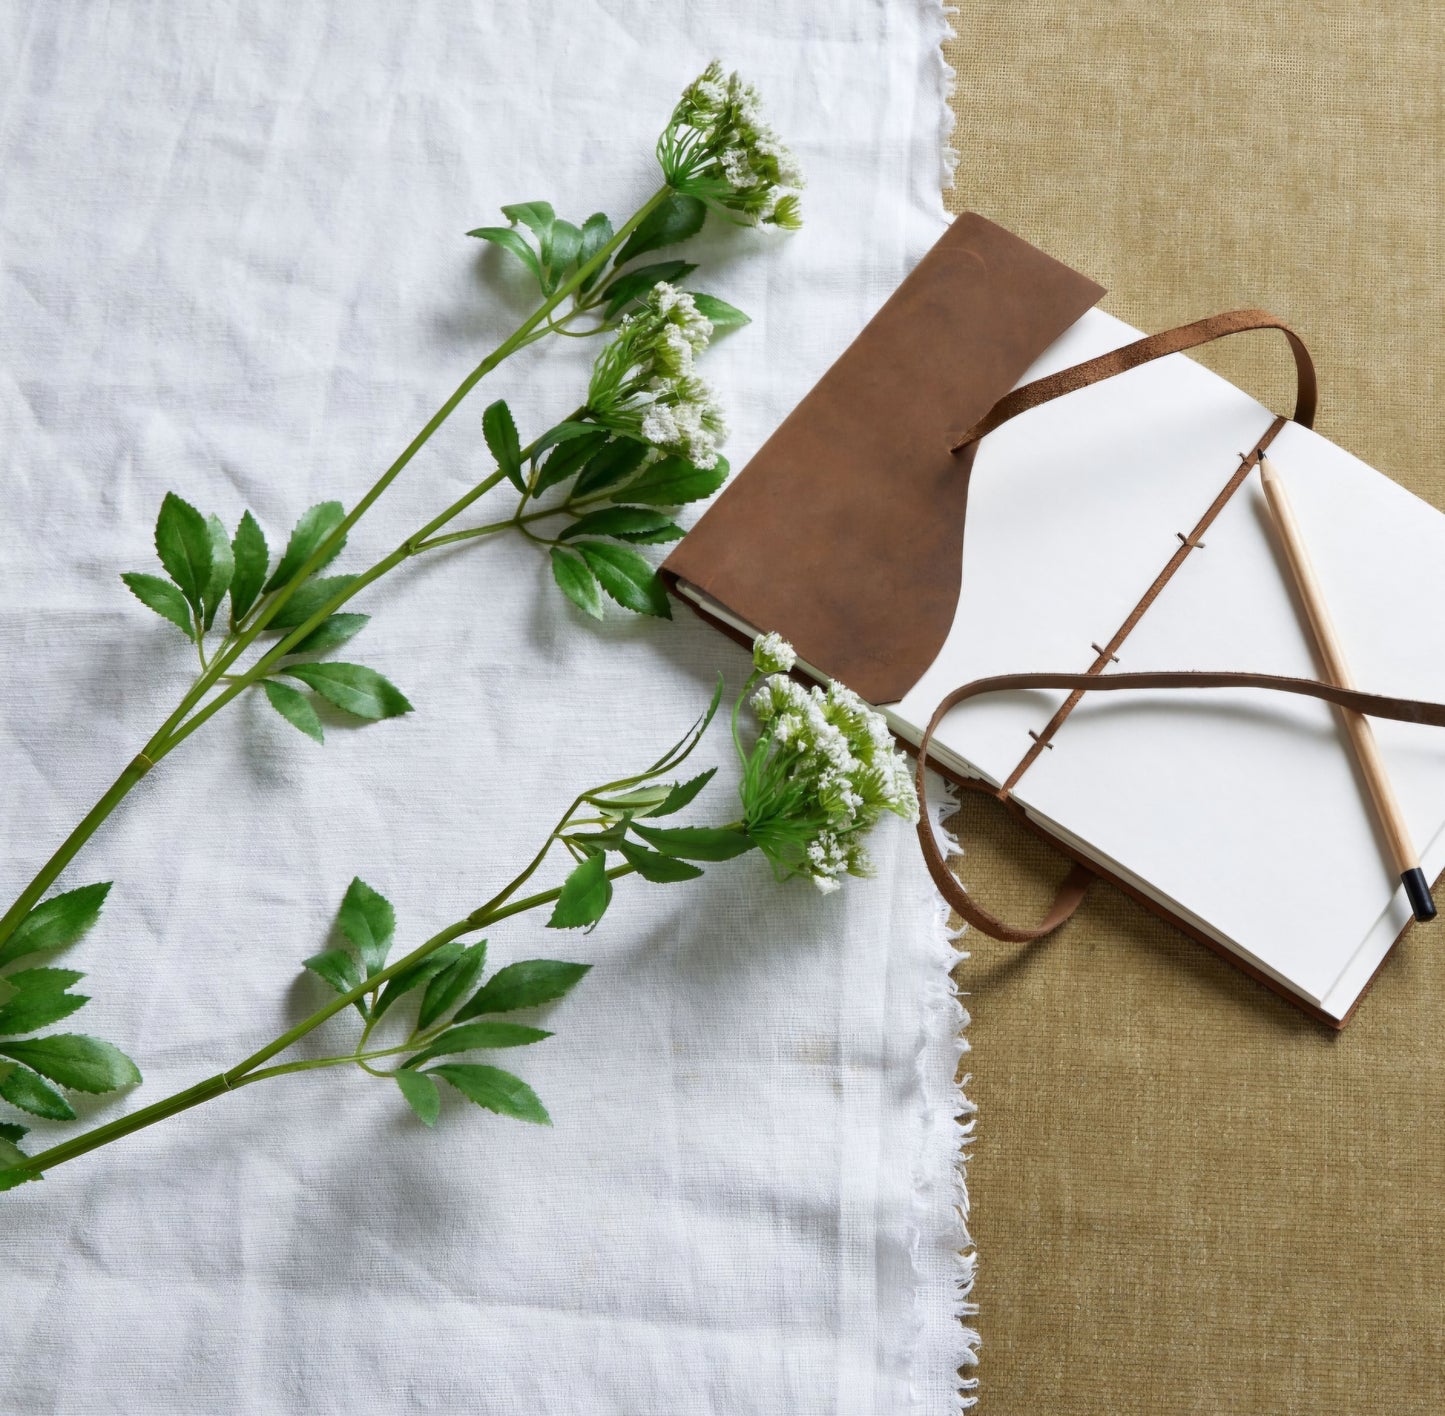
223,567
162,597
56,922
513,244
568,459
494,1089
38,1007
336,967
368,920
10,1179
308,599
656,867
183,542
453,984
636,283
611,465
565,243
683,793
627,578
596,233
421,1094
696,842
635,524
675,219
315,526
21,1087
252,558
295,707
499,429
475,1036
722,315
353,688
525,984
331,633
586,893
673,481
537,215
81,1063
9,1131
416,975
576,581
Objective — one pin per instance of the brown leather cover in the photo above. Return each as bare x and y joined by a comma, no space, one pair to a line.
855,506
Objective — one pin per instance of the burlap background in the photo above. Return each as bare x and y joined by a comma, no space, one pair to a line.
1187,1197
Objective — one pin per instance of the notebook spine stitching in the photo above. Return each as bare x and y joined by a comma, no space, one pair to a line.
1109,653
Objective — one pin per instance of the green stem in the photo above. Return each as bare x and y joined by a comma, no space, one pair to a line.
247,1071
165,738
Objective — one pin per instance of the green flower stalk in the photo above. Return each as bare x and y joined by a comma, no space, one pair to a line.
261,622
424,1018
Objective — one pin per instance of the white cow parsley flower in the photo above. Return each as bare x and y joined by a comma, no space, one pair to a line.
772,654
718,148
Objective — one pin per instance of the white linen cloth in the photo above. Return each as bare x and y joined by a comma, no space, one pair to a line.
232,264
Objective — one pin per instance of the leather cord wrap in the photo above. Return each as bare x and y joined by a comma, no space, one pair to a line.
1071,892
1141,351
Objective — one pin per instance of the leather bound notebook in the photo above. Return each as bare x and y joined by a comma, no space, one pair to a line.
1035,539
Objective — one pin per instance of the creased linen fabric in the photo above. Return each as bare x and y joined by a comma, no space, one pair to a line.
232,265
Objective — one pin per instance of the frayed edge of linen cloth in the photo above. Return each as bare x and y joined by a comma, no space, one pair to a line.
947,119
942,1248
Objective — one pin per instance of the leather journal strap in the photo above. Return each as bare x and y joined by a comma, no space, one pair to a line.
1032,395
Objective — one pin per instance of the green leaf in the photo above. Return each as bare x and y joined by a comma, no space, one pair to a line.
295,707
416,975
576,581
367,919
596,233
9,1131
494,1089
696,842
183,542
252,558
635,284
314,527
421,1094
586,893
568,459
21,1087
653,866
40,1003
472,1036
675,219
722,315
537,215
307,599
162,597
56,922
526,984
453,984
353,688
566,242
673,481
512,243
499,428
223,568
81,1063
683,793
627,578
336,967
562,432
331,633
639,801
10,1179
613,463
634,524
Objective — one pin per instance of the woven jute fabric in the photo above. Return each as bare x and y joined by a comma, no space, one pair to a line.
1188,1197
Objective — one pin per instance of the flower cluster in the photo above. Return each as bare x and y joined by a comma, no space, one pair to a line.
643,384
717,147
822,773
